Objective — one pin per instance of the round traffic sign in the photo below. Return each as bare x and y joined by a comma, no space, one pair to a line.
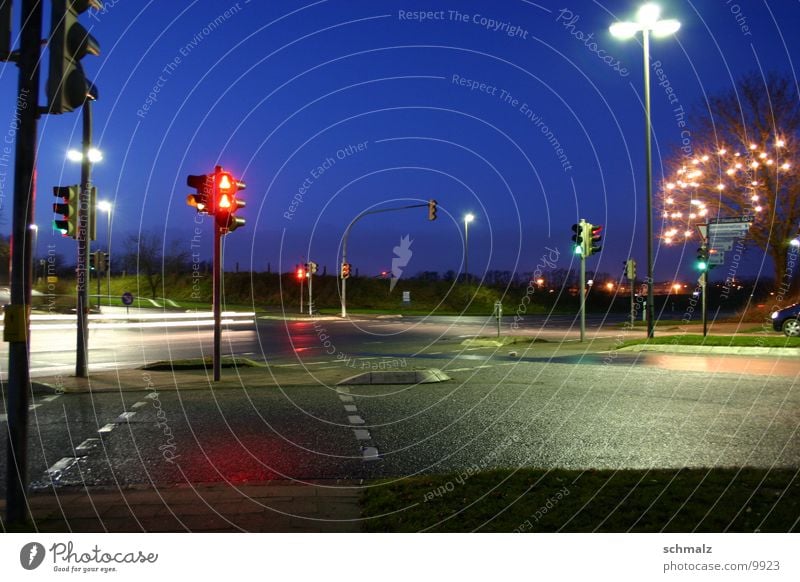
127,298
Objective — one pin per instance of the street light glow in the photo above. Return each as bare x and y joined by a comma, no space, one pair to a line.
95,155
104,206
469,218
646,20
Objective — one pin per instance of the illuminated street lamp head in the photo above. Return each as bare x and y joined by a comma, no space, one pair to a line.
104,206
95,155
469,218
647,18
795,242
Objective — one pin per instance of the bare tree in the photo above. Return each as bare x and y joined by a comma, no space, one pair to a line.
148,258
742,161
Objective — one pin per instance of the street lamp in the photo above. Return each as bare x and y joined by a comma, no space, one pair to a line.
469,217
106,206
95,155
647,21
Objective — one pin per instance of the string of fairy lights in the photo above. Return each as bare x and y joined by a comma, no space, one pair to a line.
695,192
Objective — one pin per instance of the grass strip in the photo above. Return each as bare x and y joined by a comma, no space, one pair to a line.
538,500
719,340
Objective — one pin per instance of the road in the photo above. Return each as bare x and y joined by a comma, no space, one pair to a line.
554,405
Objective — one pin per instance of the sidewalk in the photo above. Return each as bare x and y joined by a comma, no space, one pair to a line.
277,506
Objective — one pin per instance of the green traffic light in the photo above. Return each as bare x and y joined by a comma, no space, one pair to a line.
578,250
702,265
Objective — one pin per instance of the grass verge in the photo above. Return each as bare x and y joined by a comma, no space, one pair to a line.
719,340
669,500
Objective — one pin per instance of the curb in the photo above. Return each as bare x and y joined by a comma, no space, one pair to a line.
724,350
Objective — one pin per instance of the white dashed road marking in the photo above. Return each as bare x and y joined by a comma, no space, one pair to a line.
345,398
139,404
124,417
86,446
3,418
350,408
107,428
51,398
362,434
369,454
61,466
355,419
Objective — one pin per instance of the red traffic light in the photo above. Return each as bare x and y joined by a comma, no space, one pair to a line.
301,273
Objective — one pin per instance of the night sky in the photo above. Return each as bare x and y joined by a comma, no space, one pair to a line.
509,110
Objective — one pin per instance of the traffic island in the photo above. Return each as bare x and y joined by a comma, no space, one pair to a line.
408,377
499,342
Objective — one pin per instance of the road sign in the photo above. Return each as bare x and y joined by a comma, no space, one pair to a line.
716,259
725,244
406,296
127,298
703,229
731,220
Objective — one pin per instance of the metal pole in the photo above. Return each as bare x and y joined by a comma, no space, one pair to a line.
466,251
703,287
302,283
82,272
108,258
217,298
649,171
19,386
97,274
583,297
347,234
310,296
633,301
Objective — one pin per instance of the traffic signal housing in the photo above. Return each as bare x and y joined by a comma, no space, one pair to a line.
592,238
68,209
432,208
630,269
702,259
67,85
204,192
577,238
345,270
226,203
300,273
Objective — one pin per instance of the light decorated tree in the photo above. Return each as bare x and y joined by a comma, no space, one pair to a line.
744,162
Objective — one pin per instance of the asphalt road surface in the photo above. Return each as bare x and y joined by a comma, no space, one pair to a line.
555,405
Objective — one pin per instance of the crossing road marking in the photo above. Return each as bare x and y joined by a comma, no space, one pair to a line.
107,428
61,466
139,404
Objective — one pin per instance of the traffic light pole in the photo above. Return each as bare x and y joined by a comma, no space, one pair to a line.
703,288
302,285
583,297
310,296
17,327
82,272
347,234
217,299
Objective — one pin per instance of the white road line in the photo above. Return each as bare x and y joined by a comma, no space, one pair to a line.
343,390
431,353
32,406
51,398
87,445
328,368
350,408
124,417
369,454
457,369
345,398
107,428
139,404
355,419
152,396
61,465
3,418
315,363
284,365
362,434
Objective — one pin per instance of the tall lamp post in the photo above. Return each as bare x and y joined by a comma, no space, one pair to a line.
647,22
467,219
106,206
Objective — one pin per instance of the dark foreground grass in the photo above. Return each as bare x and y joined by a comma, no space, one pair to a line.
664,500
776,341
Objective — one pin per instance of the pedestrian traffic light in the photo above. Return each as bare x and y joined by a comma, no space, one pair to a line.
630,269
592,238
226,202
345,270
702,259
432,209
68,209
67,86
577,238
201,199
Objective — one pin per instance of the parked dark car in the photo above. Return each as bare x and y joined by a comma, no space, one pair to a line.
787,320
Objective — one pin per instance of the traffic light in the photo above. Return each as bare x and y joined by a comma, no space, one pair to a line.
702,259
93,213
345,270
67,86
100,260
592,238
630,269
301,273
432,209
204,186
312,267
577,238
68,209
225,201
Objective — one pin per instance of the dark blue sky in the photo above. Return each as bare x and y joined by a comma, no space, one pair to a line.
283,93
